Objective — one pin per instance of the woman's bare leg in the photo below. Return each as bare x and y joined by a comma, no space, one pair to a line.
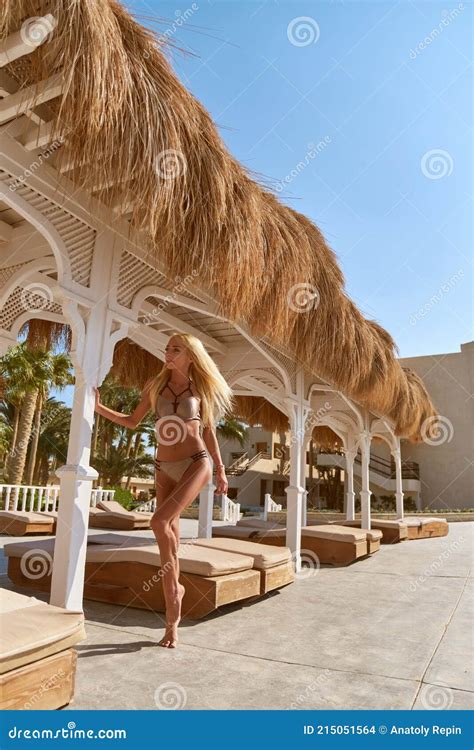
164,525
164,486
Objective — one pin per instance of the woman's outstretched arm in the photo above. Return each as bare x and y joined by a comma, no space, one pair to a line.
125,420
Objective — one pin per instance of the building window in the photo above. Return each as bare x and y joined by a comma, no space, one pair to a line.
279,488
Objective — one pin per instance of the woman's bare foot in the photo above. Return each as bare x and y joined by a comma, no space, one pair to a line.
170,638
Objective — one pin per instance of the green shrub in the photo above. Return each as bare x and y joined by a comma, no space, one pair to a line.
124,497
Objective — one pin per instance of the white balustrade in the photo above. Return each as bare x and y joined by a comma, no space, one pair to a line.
230,510
270,506
41,499
99,495
147,507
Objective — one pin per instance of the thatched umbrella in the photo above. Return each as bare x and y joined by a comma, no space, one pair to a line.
128,121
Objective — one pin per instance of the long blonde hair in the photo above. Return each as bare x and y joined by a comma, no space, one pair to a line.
215,393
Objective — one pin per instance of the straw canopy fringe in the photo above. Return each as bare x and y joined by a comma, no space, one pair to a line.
128,121
255,410
133,366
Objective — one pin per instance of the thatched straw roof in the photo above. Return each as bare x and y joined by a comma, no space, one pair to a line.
133,366
122,111
256,410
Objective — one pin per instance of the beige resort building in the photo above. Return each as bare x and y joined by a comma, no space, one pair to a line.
437,475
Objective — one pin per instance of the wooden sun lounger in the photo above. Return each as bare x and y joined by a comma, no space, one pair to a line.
392,531
373,538
273,562
23,522
37,658
109,514
128,573
426,528
333,545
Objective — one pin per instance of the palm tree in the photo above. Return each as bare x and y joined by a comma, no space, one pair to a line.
116,465
58,376
232,429
32,371
53,439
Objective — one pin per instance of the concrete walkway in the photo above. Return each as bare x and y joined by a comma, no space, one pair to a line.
393,631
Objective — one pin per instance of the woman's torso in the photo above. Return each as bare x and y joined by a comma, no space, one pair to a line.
178,425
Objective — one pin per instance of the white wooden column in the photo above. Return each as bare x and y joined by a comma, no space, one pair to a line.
298,411
95,333
350,455
206,505
304,502
364,443
397,455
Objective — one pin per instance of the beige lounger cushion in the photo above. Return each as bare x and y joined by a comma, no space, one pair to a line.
264,556
258,523
374,535
239,532
413,521
383,524
18,549
115,509
193,559
326,531
25,515
120,540
32,630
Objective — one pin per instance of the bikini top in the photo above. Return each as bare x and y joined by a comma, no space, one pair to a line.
186,408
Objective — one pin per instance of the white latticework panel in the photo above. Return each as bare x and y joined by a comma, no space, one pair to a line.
288,364
7,273
22,300
218,329
78,237
134,274
276,374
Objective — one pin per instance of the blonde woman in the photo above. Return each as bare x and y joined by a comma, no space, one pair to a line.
187,397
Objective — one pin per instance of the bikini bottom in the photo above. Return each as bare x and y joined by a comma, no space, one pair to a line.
176,469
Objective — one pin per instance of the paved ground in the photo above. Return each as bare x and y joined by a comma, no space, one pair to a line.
393,631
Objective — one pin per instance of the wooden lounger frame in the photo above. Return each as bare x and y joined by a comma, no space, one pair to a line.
328,551
46,684
428,530
21,527
140,585
105,520
389,535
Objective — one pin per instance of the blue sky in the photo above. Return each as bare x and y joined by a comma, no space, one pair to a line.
386,90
